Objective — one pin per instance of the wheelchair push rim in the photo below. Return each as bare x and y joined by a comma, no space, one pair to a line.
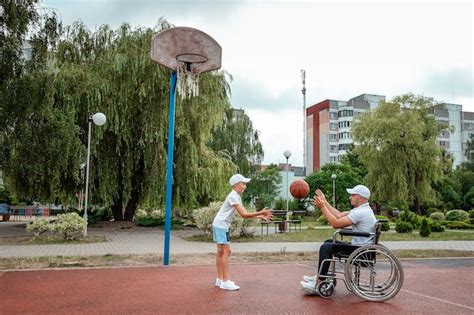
374,273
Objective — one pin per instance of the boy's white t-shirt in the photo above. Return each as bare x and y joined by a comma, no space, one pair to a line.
226,213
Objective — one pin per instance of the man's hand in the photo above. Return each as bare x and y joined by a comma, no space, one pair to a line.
321,195
318,202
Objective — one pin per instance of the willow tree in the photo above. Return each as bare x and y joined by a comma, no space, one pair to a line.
237,138
397,143
129,152
40,148
110,71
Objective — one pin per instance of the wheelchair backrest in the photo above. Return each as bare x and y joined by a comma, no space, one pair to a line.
378,230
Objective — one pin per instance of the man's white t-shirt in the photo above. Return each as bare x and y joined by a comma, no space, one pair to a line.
226,213
363,220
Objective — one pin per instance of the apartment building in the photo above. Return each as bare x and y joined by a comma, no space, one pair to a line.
329,124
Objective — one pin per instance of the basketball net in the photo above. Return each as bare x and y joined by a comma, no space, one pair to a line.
187,80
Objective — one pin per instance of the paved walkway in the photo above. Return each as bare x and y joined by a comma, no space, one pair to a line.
138,242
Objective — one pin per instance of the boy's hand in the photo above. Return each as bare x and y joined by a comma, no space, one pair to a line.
267,214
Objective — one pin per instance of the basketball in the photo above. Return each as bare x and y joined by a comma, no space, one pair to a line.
299,189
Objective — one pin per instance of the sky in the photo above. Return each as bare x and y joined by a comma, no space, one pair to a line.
346,49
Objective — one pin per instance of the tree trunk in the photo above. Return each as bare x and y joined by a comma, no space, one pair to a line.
131,206
117,210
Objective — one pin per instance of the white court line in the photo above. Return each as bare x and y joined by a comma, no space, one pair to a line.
440,300
426,296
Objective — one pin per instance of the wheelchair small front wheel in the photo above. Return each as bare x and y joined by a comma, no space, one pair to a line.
326,289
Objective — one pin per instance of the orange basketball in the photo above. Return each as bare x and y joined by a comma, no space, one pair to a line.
299,189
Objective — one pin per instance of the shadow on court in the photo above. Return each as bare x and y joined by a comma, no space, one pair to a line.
430,287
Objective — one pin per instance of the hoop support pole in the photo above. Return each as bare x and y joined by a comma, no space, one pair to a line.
169,173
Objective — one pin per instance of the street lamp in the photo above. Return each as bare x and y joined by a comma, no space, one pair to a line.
83,180
287,155
333,176
99,119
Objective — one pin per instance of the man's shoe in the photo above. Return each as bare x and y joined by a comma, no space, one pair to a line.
229,285
309,287
309,278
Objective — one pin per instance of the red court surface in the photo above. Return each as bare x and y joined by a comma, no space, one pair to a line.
431,287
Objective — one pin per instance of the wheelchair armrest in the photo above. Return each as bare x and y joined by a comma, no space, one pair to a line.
349,232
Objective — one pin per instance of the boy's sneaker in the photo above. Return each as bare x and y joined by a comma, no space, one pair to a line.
229,285
309,287
219,281
309,278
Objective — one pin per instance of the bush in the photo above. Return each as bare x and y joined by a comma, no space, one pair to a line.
322,219
457,215
436,227
425,229
385,225
458,225
205,216
471,214
148,218
410,217
69,226
437,216
40,228
430,211
403,227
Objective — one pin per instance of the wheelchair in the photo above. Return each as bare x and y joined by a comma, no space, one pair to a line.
372,272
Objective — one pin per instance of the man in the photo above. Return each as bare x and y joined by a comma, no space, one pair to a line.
361,218
221,224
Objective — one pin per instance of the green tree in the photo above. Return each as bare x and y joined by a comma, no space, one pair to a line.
263,188
346,176
111,71
397,145
448,193
237,138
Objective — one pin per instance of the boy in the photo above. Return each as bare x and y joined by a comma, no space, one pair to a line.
220,228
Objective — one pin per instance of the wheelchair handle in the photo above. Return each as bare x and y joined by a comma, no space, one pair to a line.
382,221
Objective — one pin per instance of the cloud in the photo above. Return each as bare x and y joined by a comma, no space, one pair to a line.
457,83
250,94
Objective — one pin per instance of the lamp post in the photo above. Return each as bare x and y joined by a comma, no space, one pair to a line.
83,179
99,119
333,177
287,155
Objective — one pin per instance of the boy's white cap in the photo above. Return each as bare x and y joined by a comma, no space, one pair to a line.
360,190
237,178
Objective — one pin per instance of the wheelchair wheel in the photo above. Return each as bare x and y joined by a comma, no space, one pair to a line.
373,273
326,289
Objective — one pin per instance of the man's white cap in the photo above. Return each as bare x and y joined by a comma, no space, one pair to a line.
237,178
360,190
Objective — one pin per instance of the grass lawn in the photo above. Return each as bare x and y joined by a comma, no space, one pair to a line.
319,235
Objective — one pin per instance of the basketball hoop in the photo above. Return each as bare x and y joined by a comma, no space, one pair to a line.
189,52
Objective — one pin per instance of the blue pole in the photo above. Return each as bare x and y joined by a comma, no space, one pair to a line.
169,174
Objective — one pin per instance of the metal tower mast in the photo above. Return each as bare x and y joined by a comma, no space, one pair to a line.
303,90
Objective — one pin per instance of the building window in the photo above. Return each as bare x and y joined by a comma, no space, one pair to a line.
345,113
444,144
333,136
344,146
444,134
332,115
333,126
